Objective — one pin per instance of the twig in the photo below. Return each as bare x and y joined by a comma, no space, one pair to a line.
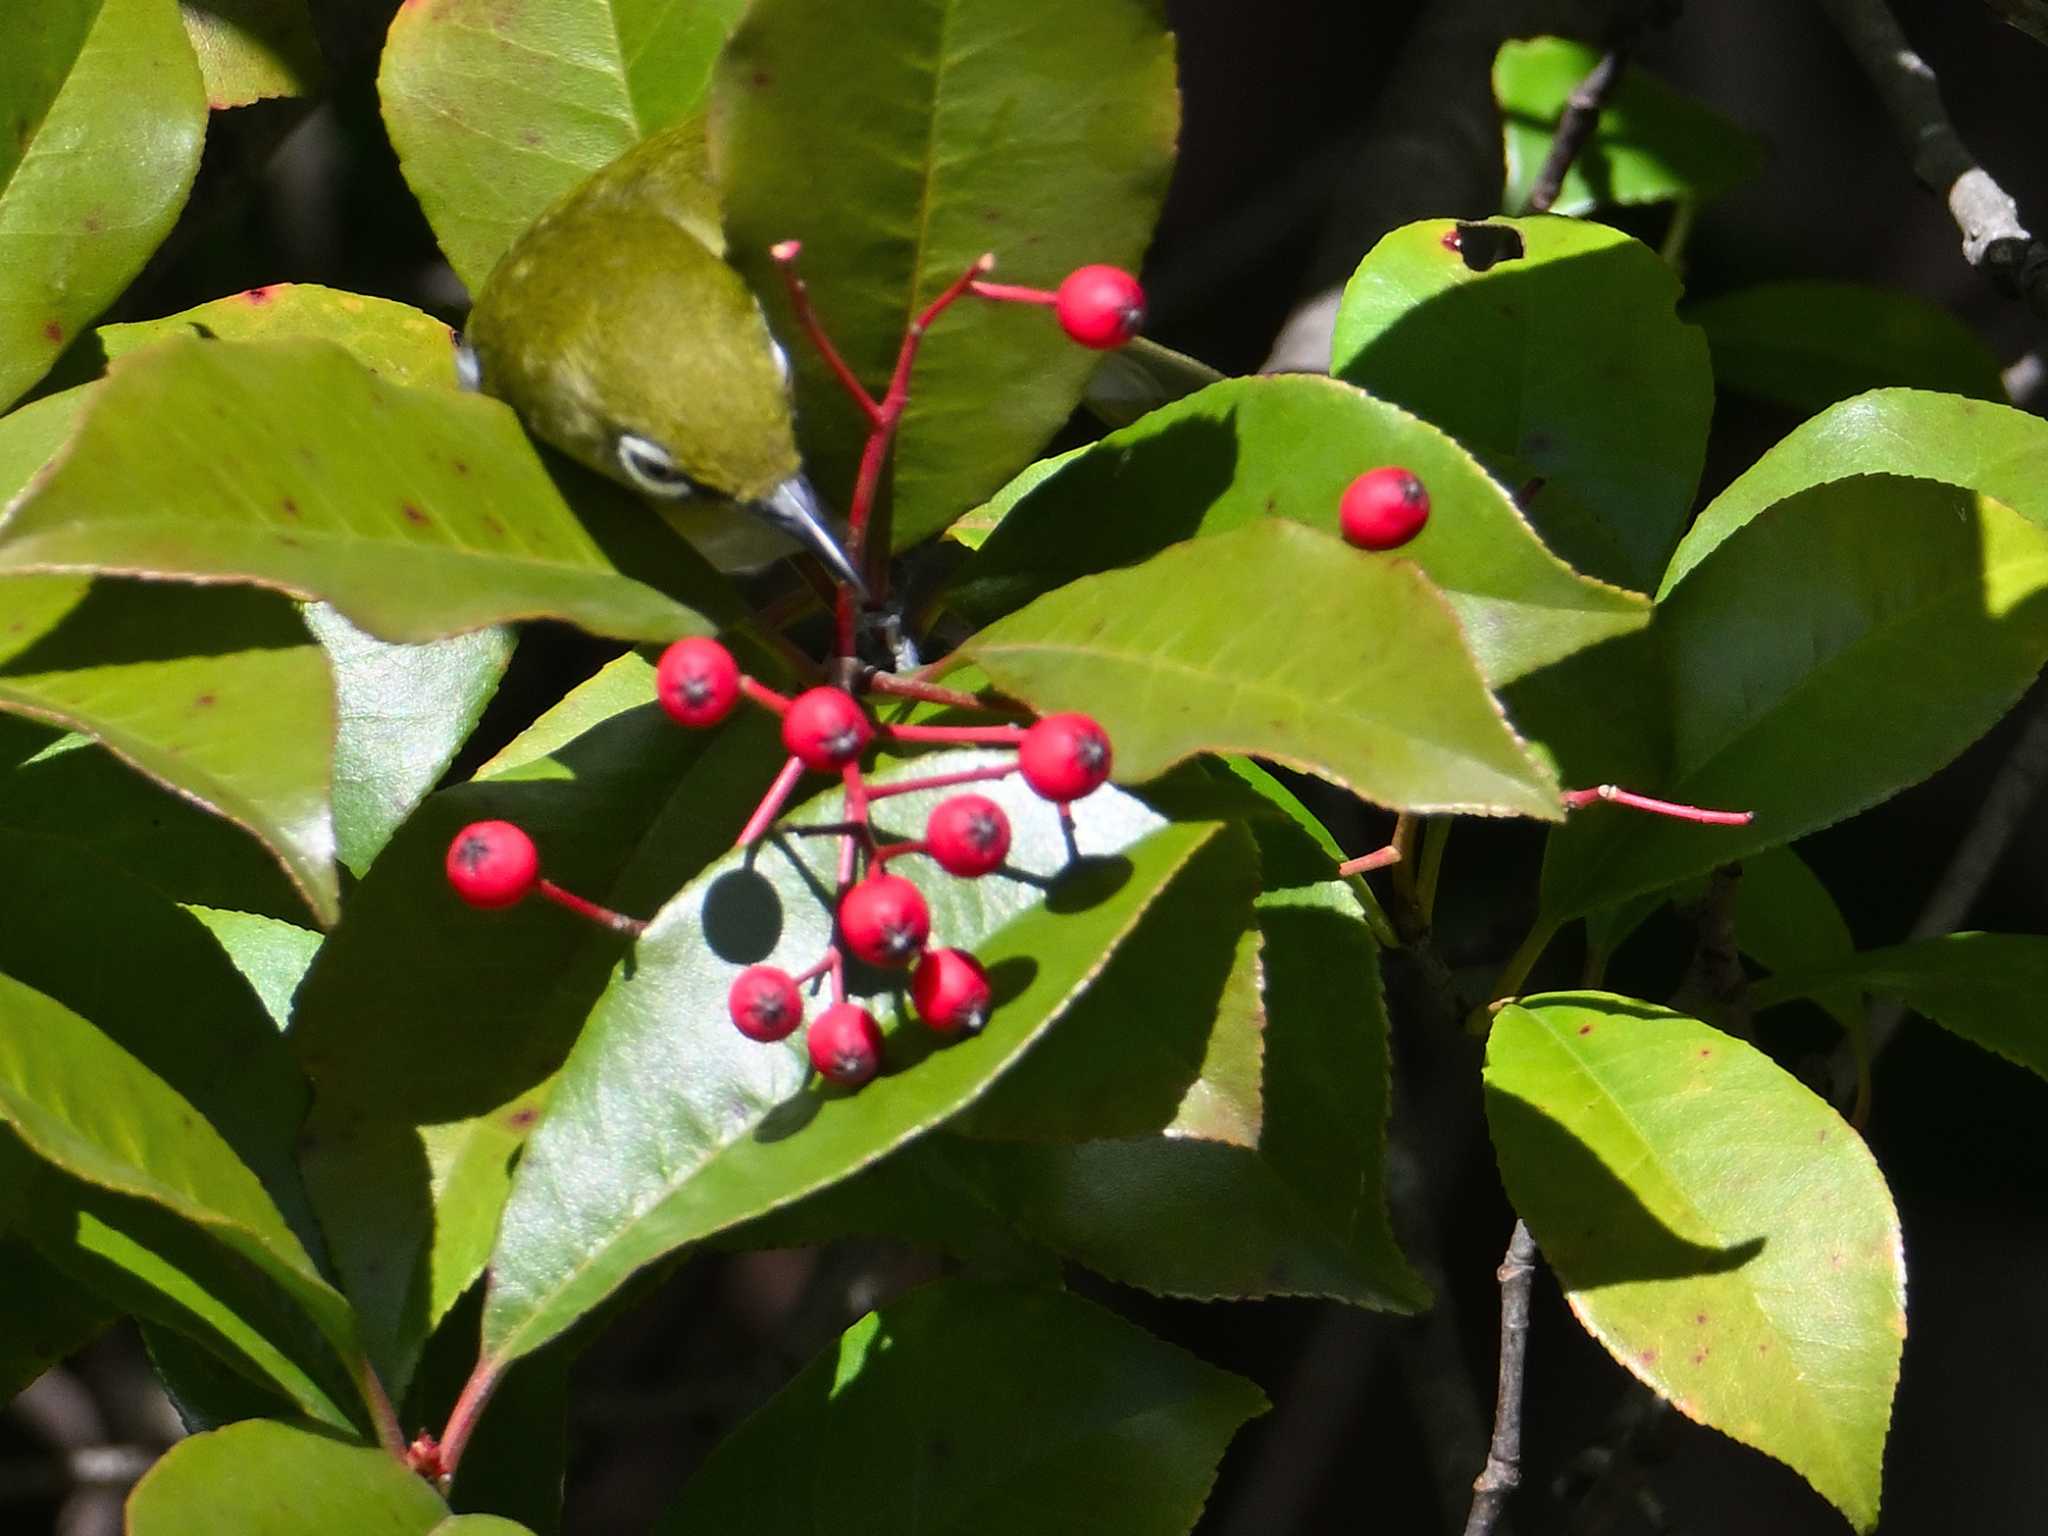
1995,242
1716,987
1504,1457
1582,111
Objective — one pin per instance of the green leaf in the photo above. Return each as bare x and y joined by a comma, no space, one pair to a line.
252,50
1652,144
1839,648
219,696
266,1478
1301,1209
145,1261
731,1129
272,955
1786,920
973,1408
254,453
403,713
902,149
75,226
1286,446
1991,449
498,110
1167,1039
80,1101
479,1525
1810,344
1986,987
48,1316
1716,1227
29,436
403,344
1281,642
1565,363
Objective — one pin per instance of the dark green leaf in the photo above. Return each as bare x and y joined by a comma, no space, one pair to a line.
264,1478
899,151
1286,446
81,1102
724,1129
48,1316
254,453
1564,364
1141,376
1991,449
1715,1225
1844,645
1810,344
1986,987
76,226
1281,642
220,696
1652,144
498,110
252,50
965,1408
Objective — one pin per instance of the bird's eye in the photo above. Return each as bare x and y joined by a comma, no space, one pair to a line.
781,361
469,368
648,465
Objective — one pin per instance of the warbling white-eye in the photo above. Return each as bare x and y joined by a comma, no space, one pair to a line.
616,330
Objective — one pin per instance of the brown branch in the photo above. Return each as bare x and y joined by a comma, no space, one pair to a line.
1582,111
1503,1471
1995,242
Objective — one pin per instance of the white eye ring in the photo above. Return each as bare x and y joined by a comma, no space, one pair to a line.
781,361
648,465
469,368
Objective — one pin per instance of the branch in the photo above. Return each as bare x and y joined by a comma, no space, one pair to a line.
1995,242
1504,1457
1582,111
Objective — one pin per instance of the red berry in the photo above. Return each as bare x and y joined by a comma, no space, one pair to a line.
1383,508
968,835
764,1003
697,681
951,992
826,728
846,1044
1064,757
884,920
1100,306
492,864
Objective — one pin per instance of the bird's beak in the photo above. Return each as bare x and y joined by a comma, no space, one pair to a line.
792,508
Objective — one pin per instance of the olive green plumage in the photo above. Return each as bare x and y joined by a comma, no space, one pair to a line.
615,313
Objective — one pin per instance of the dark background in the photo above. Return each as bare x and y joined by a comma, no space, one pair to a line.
1368,1412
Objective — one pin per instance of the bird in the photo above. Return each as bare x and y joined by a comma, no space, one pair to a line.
621,336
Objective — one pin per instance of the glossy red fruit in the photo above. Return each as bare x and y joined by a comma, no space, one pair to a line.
697,681
827,729
968,835
1100,306
1383,508
884,920
492,864
764,1003
951,993
845,1044
1064,757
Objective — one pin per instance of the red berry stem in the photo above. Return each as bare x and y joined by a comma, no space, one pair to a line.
1379,858
604,917
926,693
785,256
1014,293
941,781
884,852
856,801
1578,799
771,803
462,1419
763,695
825,963
883,416
976,735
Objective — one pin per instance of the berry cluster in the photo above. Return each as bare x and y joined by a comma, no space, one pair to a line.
883,920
